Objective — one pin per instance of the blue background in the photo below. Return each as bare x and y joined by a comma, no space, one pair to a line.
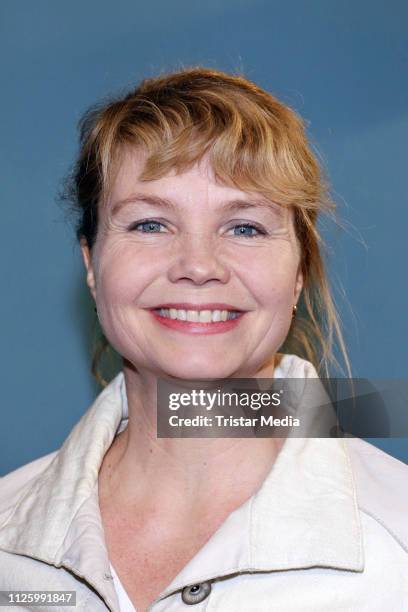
341,64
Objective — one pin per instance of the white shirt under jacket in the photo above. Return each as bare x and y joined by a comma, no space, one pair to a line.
326,532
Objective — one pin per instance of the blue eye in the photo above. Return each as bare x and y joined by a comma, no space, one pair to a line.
247,226
149,226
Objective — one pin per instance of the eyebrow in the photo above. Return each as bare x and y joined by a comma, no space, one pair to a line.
167,204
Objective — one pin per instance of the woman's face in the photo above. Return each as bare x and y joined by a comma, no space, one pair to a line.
204,244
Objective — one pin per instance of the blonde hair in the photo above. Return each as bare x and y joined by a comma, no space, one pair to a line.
254,142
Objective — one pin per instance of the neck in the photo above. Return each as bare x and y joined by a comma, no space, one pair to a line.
189,473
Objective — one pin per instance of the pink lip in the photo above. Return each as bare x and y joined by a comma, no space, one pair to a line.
189,306
192,327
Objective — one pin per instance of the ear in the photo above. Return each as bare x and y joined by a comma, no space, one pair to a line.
90,277
298,283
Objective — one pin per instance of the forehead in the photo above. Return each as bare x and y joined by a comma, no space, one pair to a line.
193,187
198,179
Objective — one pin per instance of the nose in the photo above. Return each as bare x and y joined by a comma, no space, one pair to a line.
197,259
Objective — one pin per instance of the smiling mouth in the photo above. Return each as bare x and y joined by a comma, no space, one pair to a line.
198,316
201,322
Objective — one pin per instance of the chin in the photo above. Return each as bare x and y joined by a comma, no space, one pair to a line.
199,371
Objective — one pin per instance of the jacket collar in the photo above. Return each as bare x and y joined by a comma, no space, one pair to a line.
57,518
305,513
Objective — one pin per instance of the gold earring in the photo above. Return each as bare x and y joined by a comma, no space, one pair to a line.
294,311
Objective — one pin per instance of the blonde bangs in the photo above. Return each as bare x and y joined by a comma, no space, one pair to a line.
254,147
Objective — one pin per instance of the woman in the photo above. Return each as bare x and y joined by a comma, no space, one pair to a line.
198,197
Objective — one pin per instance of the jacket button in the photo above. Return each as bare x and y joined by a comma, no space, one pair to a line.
196,593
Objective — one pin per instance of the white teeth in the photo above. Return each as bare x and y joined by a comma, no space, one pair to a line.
205,316
216,316
182,315
198,316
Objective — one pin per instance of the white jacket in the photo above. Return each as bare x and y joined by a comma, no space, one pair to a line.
326,532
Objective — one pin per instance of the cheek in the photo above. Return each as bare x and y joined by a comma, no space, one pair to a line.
271,278
280,292
121,276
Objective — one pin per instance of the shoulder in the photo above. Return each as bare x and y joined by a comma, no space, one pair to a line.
15,483
382,488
